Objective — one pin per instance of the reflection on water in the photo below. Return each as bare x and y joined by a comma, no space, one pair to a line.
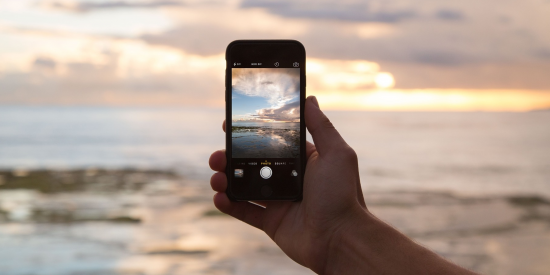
271,142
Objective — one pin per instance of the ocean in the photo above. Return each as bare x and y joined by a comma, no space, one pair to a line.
469,186
473,153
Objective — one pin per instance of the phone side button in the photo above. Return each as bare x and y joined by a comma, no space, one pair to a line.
266,191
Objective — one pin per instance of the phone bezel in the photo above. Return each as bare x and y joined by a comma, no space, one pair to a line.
265,50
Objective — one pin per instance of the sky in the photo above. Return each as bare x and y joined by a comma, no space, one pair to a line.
425,55
266,94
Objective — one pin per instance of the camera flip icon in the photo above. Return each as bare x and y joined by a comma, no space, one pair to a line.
296,64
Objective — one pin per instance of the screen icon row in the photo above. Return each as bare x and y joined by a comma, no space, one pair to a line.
265,173
276,64
295,64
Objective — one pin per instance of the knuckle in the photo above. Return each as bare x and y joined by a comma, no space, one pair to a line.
327,124
321,125
349,154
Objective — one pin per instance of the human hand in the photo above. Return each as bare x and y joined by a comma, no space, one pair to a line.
332,196
331,230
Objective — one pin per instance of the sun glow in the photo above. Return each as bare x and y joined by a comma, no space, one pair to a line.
437,100
384,80
360,85
339,84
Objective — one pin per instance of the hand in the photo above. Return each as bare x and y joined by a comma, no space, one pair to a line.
331,230
332,193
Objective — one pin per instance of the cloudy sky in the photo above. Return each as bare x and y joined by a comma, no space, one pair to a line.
266,94
362,55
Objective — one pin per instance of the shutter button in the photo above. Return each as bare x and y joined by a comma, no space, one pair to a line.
265,172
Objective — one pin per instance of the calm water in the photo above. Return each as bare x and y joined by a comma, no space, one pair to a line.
80,137
266,142
473,153
180,232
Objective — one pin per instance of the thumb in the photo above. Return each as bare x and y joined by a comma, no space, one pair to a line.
325,136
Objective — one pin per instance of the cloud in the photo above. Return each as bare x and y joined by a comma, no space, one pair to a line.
359,11
88,6
425,45
278,85
496,75
201,39
434,44
44,63
112,79
418,43
441,58
451,15
100,89
543,53
288,112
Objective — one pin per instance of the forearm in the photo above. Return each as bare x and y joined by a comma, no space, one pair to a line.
369,246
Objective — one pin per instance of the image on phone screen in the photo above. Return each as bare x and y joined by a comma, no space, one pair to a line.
266,113
265,132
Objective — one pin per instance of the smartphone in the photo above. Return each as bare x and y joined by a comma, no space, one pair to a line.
265,128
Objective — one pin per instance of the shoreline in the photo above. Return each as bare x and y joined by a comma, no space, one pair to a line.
248,141
123,179
177,221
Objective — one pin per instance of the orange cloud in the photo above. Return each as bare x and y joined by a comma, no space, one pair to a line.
435,100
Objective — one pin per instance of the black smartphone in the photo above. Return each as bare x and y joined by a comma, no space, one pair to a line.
265,128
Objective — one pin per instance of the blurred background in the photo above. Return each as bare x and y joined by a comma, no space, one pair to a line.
110,109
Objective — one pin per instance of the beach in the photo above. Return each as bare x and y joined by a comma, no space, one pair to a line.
155,222
126,190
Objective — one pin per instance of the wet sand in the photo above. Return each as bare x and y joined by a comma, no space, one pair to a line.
258,142
157,222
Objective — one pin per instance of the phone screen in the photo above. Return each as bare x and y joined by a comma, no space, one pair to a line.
266,129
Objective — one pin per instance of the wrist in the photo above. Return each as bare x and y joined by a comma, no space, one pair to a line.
326,243
367,245
344,254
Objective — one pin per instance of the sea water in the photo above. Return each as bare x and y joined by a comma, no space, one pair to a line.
180,232
473,152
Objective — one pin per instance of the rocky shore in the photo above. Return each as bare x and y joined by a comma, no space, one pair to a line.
254,142
95,221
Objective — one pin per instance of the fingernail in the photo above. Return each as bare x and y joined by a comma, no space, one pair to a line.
314,100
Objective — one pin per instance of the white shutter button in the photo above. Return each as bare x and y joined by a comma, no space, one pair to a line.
265,172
